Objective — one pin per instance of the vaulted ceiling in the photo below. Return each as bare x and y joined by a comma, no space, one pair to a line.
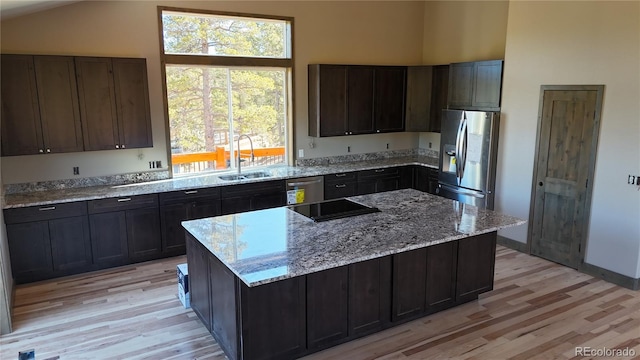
13,8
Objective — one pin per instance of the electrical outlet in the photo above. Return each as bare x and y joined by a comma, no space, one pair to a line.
429,144
348,148
158,164
633,180
76,170
300,153
387,145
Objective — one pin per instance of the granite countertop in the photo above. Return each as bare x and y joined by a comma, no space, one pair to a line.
269,245
38,198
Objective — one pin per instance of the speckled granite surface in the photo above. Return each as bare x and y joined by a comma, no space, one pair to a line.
37,198
269,245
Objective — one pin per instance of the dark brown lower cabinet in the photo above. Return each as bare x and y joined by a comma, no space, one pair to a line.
109,238
30,250
70,243
441,276
327,307
143,233
290,318
409,284
369,301
476,264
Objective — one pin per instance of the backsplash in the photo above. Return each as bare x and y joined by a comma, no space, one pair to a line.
366,157
86,182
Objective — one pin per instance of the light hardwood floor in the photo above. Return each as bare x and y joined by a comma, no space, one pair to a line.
538,310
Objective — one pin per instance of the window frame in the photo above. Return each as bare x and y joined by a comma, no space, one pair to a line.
229,61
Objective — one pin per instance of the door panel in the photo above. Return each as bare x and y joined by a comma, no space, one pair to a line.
565,160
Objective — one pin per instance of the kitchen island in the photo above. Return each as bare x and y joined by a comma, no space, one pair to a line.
275,284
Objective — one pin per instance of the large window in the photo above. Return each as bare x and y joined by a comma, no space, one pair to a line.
226,76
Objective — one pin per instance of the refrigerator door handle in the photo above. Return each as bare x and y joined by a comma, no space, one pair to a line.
462,191
463,154
459,150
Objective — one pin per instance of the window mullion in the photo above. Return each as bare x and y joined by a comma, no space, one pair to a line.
226,61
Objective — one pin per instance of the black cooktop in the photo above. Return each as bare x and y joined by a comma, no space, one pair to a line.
333,209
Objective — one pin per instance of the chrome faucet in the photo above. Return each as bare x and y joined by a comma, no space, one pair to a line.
250,143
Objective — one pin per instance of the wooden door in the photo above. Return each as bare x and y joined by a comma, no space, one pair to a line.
21,129
360,100
97,103
132,102
565,160
487,84
58,99
389,98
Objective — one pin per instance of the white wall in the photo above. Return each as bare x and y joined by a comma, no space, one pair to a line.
385,33
576,43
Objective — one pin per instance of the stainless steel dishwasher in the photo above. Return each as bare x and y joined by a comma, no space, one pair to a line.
305,190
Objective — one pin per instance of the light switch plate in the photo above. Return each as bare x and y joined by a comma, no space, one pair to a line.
300,153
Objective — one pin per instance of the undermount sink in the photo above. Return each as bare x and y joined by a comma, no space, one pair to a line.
253,175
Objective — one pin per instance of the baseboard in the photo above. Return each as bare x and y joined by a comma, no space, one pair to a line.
512,244
610,276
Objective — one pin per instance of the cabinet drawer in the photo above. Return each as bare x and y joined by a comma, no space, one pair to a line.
334,190
44,212
252,189
174,197
122,203
341,177
379,173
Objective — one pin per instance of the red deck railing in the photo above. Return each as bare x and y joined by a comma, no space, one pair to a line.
218,160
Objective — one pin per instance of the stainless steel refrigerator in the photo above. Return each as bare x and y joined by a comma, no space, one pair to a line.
468,147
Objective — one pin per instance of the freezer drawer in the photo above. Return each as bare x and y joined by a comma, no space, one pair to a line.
466,196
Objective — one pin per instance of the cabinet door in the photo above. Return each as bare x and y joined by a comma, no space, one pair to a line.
487,85
338,189
199,280
327,100
409,284
439,97
236,204
70,243
418,104
132,103
461,84
30,250
173,233
58,100
327,316
21,128
389,98
143,233
109,238
441,276
97,103
476,263
369,296
360,100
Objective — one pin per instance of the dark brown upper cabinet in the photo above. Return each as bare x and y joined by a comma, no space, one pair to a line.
114,103
475,85
355,99
427,91
39,105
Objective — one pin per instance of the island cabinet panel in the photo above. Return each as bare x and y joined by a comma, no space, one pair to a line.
475,268
224,312
48,241
255,196
179,206
273,320
198,262
369,296
441,276
327,304
409,285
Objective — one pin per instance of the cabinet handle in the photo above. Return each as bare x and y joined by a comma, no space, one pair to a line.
41,151
117,146
377,130
189,192
122,146
341,175
379,170
47,208
124,200
48,150
339,186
